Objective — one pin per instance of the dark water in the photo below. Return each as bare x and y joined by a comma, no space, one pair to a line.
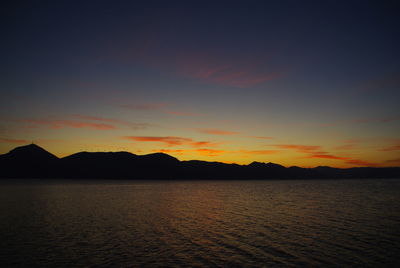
200,224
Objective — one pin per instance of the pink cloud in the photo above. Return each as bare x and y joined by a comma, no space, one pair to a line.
216,70
208,68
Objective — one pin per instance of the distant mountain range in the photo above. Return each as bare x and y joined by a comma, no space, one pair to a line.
32,161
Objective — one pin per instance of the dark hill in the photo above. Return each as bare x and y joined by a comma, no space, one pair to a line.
30,152
27,161
32,161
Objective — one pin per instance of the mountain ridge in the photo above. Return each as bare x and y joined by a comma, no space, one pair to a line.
32,161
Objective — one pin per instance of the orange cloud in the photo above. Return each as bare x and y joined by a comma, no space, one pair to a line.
347,160
57,124
204,144
360,163
327,156
218,132
167,151
210,152
203,151
299,148
170,140
173,141
13,140
313,151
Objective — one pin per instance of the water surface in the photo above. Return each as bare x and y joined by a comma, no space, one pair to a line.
200,223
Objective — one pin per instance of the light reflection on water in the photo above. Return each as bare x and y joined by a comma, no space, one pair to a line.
210,223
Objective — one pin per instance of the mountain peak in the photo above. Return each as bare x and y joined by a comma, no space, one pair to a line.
31,151
160,157
261,165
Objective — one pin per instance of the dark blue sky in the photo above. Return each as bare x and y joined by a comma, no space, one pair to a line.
304,73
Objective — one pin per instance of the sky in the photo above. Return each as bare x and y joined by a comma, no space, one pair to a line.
298,83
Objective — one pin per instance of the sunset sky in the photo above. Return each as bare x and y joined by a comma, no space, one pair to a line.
303,83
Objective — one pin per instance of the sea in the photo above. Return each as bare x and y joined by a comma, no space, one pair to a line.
274,223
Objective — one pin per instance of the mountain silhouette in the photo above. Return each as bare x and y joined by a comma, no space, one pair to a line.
32,161
30,152
27,161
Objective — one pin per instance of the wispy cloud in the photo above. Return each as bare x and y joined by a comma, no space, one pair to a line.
314,151
210,152
173,141
111,120
169,140
169,151
13,141
346,147
358,162
395,161
298,148
180,113
261,137
326,156
218,132
83,121
381,83
391,148
259,152
58,124
375,120
215,70
204,144
202,151
347,160
146,106
161,107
